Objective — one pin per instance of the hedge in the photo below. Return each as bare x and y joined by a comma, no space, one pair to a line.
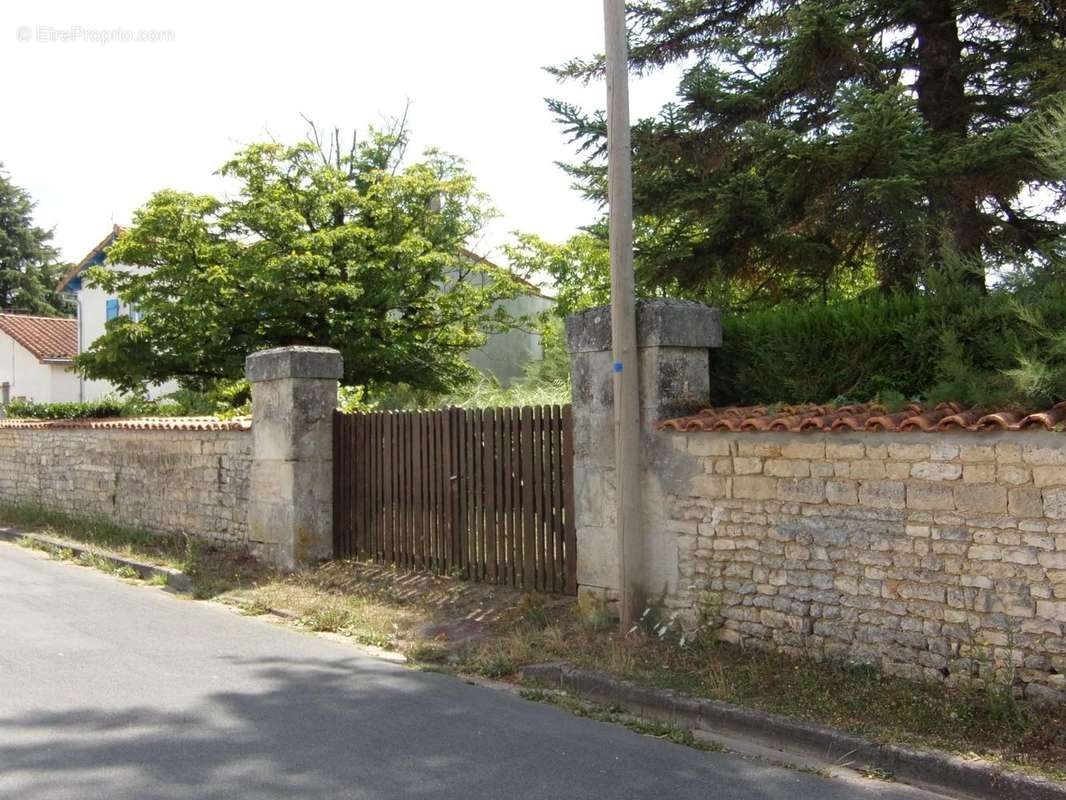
960,345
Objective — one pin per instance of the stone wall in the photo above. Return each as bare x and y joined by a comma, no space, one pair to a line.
930,555
166,481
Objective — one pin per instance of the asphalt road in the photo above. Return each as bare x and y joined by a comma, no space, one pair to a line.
115,691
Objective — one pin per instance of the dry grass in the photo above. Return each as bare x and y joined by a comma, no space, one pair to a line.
857,698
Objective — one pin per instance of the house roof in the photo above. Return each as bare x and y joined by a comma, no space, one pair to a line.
532,287
48,338
945,417
97,251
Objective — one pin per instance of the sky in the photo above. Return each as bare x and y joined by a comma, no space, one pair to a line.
109,102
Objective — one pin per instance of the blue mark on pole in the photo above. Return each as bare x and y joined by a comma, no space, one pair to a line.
617,366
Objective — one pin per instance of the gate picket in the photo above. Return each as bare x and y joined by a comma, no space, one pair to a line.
486,492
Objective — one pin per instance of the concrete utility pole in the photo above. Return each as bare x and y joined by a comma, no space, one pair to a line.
623,309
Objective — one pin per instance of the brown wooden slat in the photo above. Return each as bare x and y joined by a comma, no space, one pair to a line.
558,466
404,507
383,489
434,490
342,424
517,563
529,536
357,451
546,500
391,553
477,501
451,487
492,472
533,512
417,484
363,500
506,555
375,486
569,528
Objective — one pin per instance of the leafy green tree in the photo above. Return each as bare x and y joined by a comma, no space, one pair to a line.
29,270
321,244
579,269
818,137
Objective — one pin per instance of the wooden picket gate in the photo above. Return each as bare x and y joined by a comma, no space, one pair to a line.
486,493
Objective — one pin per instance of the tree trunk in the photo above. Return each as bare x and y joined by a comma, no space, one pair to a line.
943,104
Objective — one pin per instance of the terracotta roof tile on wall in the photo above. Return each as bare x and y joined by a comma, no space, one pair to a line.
45,337
945,417
136,423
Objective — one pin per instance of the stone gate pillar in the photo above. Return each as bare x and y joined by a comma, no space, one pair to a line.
674,338
294,394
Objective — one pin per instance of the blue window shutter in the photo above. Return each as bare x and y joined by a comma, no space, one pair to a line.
112,308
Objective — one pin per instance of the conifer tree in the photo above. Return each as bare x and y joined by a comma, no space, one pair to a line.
28,265
812,138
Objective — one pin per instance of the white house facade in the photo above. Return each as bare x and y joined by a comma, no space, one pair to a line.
36,359
94,308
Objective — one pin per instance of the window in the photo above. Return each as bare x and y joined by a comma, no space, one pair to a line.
112,308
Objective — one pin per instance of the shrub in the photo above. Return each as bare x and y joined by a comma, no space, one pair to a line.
1002,348
94,409
225,399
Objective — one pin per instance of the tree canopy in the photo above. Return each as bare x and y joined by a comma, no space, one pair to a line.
321,244
29,268
813,140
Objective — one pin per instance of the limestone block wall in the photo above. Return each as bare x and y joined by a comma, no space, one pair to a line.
167,481
934,556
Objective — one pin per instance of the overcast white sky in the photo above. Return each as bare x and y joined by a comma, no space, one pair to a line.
92,129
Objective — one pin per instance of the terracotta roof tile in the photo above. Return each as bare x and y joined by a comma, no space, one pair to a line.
137,423
945,417
45,337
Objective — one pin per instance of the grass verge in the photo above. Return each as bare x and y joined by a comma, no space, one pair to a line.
371,604
969,720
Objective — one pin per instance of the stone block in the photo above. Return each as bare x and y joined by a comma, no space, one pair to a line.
754,487
747,465
908,452
868,470
978,473
294,362
1052,475
844,451
1054,610
810,450
930,497
898,470
801,490
1025,503
940,451
709,486
660,323
1045,454
882,494
981,499
1056,560
786,468
936,471
1013,474
1055,503
707,444
842,492
977,453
